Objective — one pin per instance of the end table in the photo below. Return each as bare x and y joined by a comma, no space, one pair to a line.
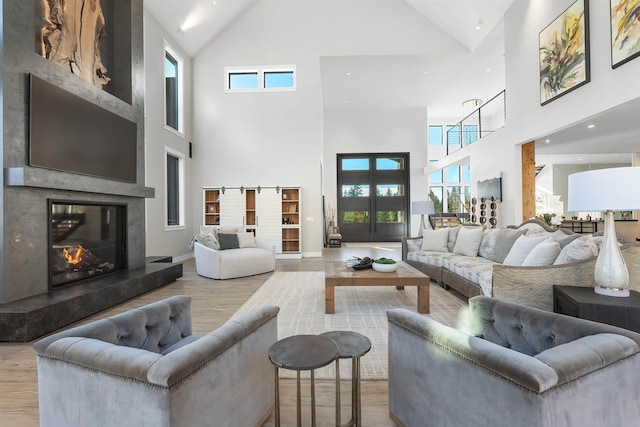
352,345
584,303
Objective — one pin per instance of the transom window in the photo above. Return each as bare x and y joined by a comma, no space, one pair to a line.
252,79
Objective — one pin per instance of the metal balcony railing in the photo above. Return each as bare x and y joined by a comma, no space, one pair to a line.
490,117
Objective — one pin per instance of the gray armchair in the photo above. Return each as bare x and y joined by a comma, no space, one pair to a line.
519,367
144,368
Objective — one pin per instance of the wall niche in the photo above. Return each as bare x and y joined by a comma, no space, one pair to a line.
89,38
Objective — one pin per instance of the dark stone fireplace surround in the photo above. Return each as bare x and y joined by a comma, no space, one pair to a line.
28,309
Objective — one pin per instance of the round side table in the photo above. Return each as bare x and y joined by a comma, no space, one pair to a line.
352,345
304,353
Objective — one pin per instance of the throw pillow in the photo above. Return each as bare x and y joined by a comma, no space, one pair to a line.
208,240
468,241
544,253
521,248
228,241
505,240
580,249
205,229
435,240
489,239
453,235
246,240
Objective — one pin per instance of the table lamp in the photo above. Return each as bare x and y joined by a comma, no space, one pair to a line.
422,208
607,190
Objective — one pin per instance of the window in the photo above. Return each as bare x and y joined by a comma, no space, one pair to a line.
453,174
453,135
383,163
389,190
173,89
435,177
243,81
355,217
256,79
360,164
435,135
278,79
355,190
174,188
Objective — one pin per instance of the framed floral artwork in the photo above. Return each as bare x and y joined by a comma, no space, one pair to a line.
564,52
625,31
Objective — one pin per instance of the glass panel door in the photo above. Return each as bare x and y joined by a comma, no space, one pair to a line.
372,196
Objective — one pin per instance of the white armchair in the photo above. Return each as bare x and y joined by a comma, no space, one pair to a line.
230,263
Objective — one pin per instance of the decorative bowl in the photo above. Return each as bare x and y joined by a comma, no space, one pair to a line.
385,268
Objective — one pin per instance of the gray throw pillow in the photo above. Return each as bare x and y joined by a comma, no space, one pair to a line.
228,241
505,240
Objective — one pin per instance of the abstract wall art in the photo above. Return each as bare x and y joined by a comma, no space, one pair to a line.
71,38
564,52
625,31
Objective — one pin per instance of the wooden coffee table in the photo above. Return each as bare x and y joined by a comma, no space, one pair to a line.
336,273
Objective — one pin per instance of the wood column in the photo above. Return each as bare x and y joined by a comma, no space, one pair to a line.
528,152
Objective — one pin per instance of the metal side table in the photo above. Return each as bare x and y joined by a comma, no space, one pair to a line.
352,345
304,353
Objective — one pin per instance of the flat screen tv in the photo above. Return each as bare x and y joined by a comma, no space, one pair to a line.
68,133
490,188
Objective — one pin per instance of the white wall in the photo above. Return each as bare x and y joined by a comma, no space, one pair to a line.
370,131
159,240
526,118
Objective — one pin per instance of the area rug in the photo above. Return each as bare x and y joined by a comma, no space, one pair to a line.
300,296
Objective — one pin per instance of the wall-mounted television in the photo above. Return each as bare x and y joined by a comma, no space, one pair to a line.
490,188
68,133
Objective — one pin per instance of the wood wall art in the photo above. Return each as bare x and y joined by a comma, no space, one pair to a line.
564,52
72,37
625,31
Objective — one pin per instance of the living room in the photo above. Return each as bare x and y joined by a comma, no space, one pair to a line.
292,138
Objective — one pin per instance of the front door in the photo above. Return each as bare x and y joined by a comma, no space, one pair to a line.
373,196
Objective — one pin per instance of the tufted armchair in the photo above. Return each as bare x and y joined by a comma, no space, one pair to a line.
145,368
519,366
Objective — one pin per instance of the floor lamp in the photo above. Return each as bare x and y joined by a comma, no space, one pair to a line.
607,190
422,208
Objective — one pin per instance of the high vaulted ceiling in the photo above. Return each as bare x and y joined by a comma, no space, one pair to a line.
471,66
437,81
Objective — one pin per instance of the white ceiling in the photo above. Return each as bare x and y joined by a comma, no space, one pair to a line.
435,81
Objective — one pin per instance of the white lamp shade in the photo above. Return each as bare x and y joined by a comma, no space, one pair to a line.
605,189
423,208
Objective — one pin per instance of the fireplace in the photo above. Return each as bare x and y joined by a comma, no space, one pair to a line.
86,240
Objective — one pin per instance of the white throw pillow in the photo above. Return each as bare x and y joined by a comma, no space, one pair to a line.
209,240
435,240
521,248
246,240
468,241
580,249
544,253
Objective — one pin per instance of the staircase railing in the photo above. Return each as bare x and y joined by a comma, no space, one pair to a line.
490,117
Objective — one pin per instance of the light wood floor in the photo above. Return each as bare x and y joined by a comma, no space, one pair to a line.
213,303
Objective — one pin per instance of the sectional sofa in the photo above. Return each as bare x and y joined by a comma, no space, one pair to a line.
516,263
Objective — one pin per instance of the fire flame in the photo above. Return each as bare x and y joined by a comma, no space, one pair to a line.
76,257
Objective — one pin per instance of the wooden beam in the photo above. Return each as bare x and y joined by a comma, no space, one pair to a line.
528,152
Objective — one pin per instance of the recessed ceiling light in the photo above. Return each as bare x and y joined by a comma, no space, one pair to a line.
348,74
591,126
547,141
488,70
346,102
479,25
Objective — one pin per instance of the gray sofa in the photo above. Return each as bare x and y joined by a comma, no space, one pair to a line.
519,367
145,368
486,273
